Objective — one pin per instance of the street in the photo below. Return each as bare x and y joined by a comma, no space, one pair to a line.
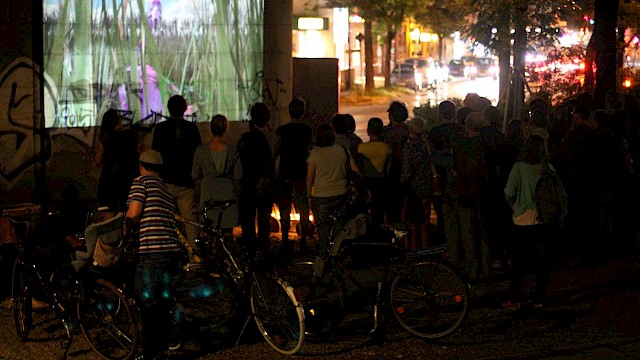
456,88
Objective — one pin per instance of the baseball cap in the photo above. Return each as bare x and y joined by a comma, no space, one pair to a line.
417,125
151,157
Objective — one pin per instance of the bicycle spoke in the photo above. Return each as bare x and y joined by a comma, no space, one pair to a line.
429,299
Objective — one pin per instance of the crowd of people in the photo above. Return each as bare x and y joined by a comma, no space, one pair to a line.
476,178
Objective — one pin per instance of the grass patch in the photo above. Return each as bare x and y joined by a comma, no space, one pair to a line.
375,96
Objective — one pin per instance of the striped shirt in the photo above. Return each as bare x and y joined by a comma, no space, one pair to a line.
157,222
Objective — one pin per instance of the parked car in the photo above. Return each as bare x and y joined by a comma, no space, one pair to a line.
428,70
484,66
407,74
458,68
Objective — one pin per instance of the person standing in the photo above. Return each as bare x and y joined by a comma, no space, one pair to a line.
396,135
152,208
257,181
442,139
374,162
529,247
416,177
217,168
176,139
294,143
117,154
470,183
327,183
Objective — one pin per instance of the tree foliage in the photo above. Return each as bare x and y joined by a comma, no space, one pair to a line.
390,13
443,17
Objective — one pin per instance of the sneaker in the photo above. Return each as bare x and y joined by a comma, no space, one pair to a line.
38,305
510,306
174,345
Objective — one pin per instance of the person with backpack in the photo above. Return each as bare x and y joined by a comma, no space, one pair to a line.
416,177
534,227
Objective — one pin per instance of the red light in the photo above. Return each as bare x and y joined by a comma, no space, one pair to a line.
586,18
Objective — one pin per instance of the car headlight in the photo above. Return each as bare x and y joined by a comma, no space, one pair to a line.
473,69
417,77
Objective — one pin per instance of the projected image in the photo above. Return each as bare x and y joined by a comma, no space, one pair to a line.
132,55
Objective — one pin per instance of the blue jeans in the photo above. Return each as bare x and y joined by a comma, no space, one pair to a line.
323,208
154,291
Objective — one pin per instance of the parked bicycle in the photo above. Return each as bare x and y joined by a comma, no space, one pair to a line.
81,298
425,293
237,286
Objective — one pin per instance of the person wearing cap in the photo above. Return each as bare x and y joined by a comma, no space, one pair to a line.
396,135
416,179
152,208
470,183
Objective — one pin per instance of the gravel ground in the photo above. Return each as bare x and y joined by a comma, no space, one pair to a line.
592,313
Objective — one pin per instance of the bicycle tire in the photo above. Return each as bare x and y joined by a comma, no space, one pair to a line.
210,302
430,299
323,299
21,301
277,313
107,320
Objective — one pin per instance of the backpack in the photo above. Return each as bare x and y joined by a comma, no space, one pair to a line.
550,197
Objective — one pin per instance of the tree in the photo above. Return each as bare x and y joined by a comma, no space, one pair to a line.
604,33
391,14
443,18
526,23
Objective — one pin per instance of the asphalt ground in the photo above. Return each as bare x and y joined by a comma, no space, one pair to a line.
592,313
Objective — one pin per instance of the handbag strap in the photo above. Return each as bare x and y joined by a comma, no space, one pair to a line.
347,164
430,153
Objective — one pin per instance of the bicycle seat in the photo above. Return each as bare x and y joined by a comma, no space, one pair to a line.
218,204
352,229
109,232
433,250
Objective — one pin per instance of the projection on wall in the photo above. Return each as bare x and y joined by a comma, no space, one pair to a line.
132,55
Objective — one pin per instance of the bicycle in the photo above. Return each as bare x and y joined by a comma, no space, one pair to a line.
428,297
78,298
243,287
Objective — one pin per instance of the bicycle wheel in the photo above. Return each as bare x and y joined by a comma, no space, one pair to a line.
429,299
323,299
21,295
107,320
277,313
210,302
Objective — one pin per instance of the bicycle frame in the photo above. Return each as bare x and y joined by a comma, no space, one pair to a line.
254,290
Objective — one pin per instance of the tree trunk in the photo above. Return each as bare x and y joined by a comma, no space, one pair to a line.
387,58
368,55
504,62
606,15
440,46
589,80
517,89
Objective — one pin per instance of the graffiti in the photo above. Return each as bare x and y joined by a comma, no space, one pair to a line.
266,96
23,141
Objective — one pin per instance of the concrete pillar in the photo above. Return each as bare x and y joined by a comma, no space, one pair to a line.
278,27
